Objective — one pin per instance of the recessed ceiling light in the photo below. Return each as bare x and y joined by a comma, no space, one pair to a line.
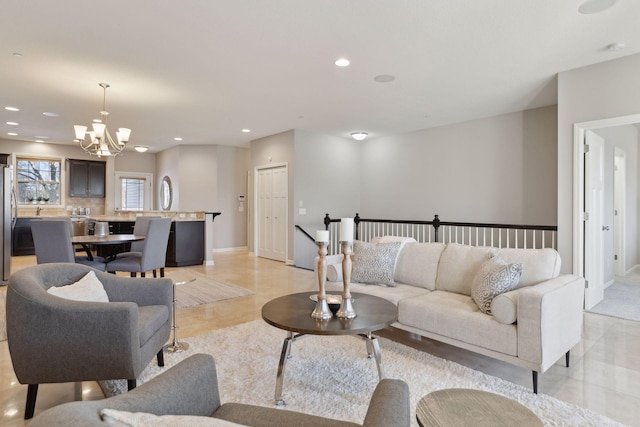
342,62
359,136
17,54
246,130
97,121
12,134
614,47
595,6
384,78
12,108
177,138
42,137
12,123
50,114
140,148
39,140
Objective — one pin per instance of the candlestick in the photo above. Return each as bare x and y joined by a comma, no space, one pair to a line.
322,311
346,230
346,310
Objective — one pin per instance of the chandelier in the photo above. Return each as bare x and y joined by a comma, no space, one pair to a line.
99,141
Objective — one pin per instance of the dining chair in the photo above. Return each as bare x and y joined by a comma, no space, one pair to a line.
153,255
140,229
52,241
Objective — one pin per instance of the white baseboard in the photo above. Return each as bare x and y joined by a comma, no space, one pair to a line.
289,262
629,271
236,249
609,283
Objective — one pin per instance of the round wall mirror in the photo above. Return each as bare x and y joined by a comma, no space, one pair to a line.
166,196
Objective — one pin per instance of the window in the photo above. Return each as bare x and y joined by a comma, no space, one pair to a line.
133,191
38,180
132,194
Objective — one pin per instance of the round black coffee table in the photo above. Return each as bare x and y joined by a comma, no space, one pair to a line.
293,314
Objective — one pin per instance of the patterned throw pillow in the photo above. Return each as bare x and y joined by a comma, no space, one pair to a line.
494,277
374,263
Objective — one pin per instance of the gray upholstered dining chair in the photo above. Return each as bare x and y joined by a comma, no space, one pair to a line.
153,255
55,340
140,228
52,241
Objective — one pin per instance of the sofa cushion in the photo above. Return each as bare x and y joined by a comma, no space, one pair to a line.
504,307
456,316
334,272
115,417
417,264
538,265
374,263
393,294
150,319
459,265
494,277
88,288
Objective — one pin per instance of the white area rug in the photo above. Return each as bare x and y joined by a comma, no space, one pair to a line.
332,376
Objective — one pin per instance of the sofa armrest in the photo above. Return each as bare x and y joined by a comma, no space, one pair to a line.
550,319
389,405
188,388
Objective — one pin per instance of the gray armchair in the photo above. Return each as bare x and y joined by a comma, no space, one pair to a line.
153,255
54,340
191,388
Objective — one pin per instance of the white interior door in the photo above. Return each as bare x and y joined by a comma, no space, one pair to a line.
272,220
619,206
594,207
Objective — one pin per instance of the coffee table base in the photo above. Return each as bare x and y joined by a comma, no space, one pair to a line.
373,351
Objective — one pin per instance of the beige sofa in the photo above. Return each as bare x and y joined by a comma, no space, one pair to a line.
531,326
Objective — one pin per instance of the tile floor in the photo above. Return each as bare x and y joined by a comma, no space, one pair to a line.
604,375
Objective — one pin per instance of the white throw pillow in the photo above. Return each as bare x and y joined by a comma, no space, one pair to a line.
143,419
334,272
89,288
494,277
374,263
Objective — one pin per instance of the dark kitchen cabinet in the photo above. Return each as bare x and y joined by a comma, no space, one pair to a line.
21,238
186,244
86,178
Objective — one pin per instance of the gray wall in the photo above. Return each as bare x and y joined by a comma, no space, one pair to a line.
605,90
209,178
499,169
327,180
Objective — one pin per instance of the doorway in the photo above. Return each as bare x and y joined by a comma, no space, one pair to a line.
272,186
592,229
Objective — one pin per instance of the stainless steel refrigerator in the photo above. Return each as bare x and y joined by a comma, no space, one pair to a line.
8,219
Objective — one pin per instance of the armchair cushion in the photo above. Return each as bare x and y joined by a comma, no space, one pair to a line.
89,288
150,319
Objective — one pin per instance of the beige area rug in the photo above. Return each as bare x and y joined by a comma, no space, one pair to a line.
203,289
331,376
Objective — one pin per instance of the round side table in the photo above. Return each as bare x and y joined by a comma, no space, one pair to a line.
465,407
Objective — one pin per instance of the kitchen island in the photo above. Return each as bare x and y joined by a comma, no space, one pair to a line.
186,244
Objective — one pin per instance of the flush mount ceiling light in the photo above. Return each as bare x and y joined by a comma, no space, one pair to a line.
11,108
342,62
50,114
359,136
595,6
100,142
177,138
384,78
140,148
246,130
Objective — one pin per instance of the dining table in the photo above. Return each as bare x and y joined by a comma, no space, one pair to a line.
113,240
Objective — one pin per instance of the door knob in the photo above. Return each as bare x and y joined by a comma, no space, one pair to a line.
605,228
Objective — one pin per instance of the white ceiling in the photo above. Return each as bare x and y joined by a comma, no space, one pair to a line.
205,69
